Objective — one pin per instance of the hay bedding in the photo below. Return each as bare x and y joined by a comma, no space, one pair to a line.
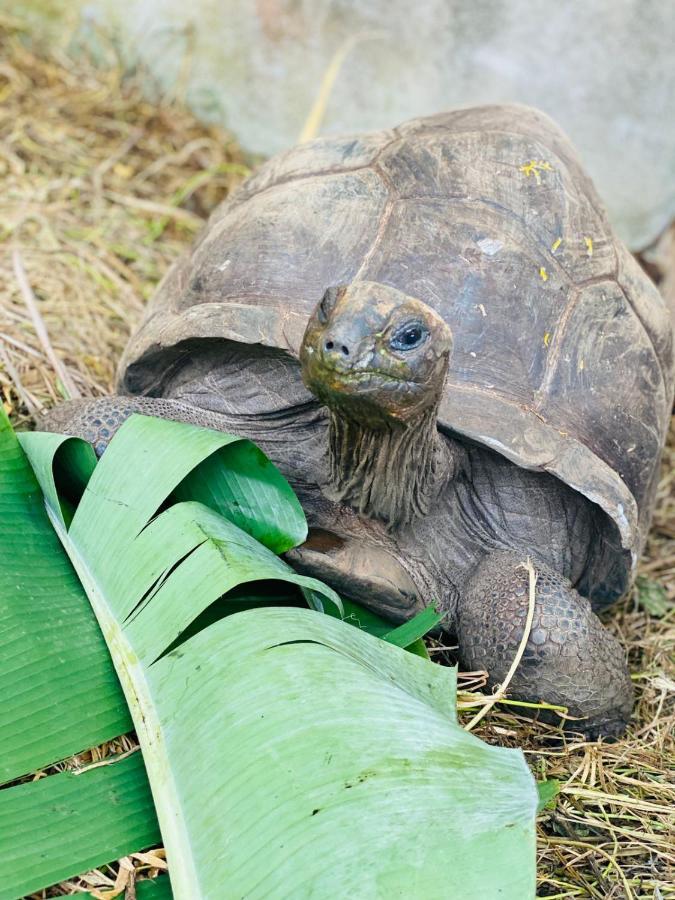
101,191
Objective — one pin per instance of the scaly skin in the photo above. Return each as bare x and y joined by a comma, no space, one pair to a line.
569,659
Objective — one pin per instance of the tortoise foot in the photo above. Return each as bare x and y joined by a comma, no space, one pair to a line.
570,659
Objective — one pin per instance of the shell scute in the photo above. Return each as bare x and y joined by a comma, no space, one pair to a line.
550,204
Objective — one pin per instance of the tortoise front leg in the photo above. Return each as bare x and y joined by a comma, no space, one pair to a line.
97,420
570,659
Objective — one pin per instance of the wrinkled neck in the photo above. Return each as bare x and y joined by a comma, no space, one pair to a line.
394,473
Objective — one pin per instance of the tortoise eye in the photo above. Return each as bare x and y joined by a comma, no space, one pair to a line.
411,336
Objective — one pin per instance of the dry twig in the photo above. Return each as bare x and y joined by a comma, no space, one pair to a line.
43,335
500,693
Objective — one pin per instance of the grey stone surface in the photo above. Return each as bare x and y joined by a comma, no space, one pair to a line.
602,68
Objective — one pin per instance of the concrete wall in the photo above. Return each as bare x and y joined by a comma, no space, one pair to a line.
602,68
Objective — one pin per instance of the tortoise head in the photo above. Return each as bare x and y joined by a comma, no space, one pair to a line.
373,354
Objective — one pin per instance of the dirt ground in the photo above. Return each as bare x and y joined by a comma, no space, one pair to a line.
101,191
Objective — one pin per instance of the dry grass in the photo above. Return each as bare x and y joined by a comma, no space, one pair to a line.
101,190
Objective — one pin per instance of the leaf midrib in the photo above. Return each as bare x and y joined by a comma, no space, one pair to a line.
131,673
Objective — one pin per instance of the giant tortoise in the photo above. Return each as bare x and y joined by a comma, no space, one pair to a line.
436,335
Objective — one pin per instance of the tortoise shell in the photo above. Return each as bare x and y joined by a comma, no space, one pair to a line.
563,348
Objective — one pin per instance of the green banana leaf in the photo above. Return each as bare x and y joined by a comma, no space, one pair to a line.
288,754
65,824
60,693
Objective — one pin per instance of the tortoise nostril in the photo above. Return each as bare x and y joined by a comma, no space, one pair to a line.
329,346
